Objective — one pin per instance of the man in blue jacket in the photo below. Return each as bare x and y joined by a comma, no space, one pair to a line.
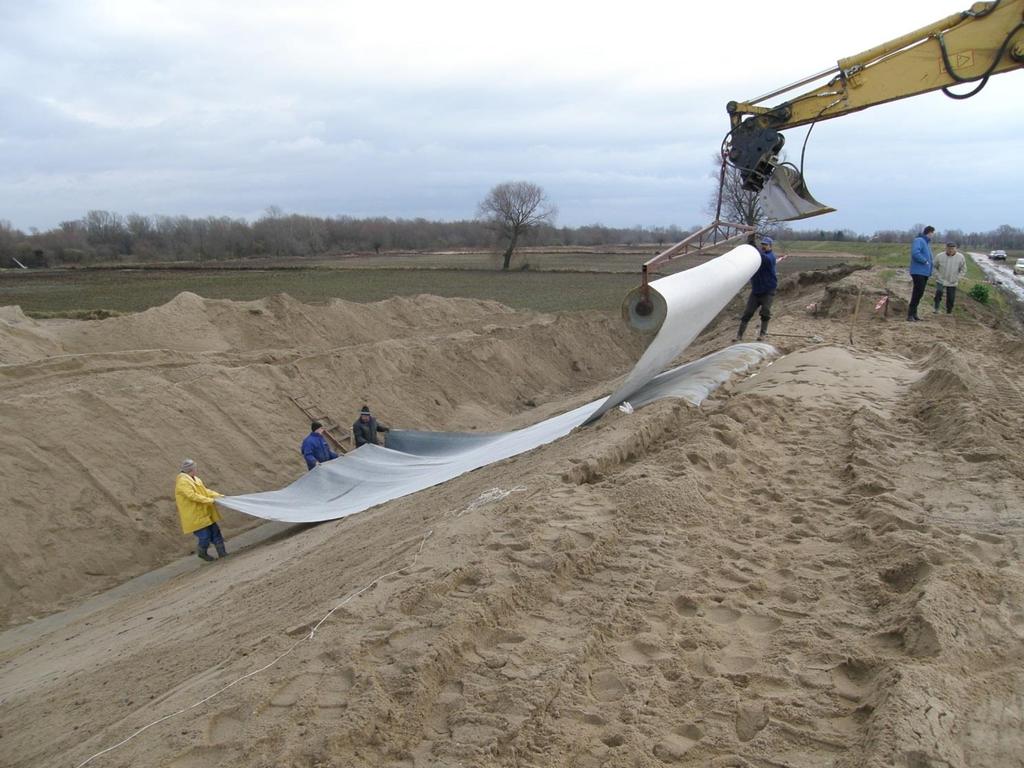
762,291
315,449
920,270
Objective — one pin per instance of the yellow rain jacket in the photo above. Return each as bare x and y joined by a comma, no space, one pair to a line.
195,503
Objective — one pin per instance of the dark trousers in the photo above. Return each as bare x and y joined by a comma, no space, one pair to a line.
950,297
210,533
755,300
920,281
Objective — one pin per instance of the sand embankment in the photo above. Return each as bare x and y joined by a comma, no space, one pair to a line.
99,414
820,566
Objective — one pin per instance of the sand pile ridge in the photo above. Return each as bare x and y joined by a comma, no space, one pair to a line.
820,566
92,439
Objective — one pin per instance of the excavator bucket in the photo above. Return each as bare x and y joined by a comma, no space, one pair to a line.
785,197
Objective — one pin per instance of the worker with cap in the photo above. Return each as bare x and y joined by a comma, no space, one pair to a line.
950,266
762,291
365,428
197,511
315,449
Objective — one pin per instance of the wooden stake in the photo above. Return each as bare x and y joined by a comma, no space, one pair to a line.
856,311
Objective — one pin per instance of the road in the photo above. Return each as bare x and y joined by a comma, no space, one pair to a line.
1001,273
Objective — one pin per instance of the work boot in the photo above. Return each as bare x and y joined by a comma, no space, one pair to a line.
202,554
764,330
740,332
936,310
222,551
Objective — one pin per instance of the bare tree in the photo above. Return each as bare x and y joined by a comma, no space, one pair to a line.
739,205
511,209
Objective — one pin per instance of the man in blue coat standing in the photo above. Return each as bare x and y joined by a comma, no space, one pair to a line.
315,449
762,291
920,270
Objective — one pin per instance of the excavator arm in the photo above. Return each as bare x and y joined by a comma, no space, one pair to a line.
966,47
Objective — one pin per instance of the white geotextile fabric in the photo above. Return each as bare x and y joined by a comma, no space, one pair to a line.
684,304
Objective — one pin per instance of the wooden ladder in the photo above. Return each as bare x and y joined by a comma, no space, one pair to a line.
340,438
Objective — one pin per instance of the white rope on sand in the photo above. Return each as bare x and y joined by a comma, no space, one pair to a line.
265,667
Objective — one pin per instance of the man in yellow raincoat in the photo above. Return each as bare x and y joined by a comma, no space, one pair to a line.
197,511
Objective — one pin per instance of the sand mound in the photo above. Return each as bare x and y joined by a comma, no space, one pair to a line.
92,439
969,410
22,339
820,566
190,323
857,293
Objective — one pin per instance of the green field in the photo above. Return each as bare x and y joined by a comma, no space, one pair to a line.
558,282
135,290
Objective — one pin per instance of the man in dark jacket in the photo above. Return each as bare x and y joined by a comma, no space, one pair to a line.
315,449
762,291
366,428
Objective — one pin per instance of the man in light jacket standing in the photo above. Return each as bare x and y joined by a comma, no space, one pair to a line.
920,269
950,266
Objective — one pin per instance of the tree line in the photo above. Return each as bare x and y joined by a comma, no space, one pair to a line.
107,237
1004,236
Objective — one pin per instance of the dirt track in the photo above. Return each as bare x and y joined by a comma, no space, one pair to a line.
821,566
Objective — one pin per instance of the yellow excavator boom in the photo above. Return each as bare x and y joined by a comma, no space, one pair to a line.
964,48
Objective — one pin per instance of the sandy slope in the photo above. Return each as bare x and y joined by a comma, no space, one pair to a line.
98,415
821,566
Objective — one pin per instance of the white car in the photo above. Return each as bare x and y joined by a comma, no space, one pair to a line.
999,255
1018,267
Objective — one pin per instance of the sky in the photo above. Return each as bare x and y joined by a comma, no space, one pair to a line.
417,109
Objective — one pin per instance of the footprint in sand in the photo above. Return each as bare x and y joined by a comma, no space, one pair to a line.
917,637
852,678
333,689
685,606
751,718
641,652
722,614
289,694
674,746
605,685
613,739
412,637
507,540
499,639
586,717
759,624
736,665
422,599
563,538
225,728
903,577
449,702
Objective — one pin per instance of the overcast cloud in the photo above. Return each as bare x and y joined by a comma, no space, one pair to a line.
417,109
